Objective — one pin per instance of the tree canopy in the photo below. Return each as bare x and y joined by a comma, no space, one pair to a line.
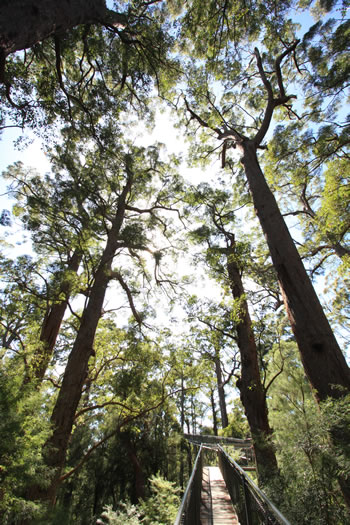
148,303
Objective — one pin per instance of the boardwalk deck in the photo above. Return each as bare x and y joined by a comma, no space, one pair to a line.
216,506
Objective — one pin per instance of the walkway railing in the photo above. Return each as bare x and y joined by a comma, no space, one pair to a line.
189,511
251,504
198,439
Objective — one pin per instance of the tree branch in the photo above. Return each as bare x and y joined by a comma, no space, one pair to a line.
111,434
116,275
272,102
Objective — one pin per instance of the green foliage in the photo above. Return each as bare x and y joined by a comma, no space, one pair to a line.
334,214
162,506
24,428
238,425
336,415
100,70
93,84
159,509
309,463
127,515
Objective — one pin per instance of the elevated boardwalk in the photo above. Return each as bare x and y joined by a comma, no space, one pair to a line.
216,506
224,495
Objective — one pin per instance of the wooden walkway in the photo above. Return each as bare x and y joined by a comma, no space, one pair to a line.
216,506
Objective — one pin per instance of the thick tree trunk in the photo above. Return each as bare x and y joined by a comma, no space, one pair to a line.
322,358
76,370
52,323
320,353
253,395
221,392
25,23
73,380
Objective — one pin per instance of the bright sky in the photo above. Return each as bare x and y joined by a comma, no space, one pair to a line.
33,156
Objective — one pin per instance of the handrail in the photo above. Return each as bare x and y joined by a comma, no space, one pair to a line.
251,504
208,439
189,511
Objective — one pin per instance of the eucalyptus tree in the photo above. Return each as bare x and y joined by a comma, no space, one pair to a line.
52,209
254,87
308,158
227,260
127,222
214,343
311,152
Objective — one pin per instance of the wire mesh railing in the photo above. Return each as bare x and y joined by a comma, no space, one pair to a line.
189,511
251,504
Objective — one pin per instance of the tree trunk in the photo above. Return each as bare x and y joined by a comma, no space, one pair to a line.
221,392
76,370
182,424
213,410
323,361
253,395
52,323
322,358
25,23
138,472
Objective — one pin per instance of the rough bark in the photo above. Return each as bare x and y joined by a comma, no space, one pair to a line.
76,370
24,23
252,392
320,353
52,323
213,410
322,358
221,392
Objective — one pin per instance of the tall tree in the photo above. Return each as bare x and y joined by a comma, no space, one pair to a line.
133,170
59,237
263,80
309,323
226,259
